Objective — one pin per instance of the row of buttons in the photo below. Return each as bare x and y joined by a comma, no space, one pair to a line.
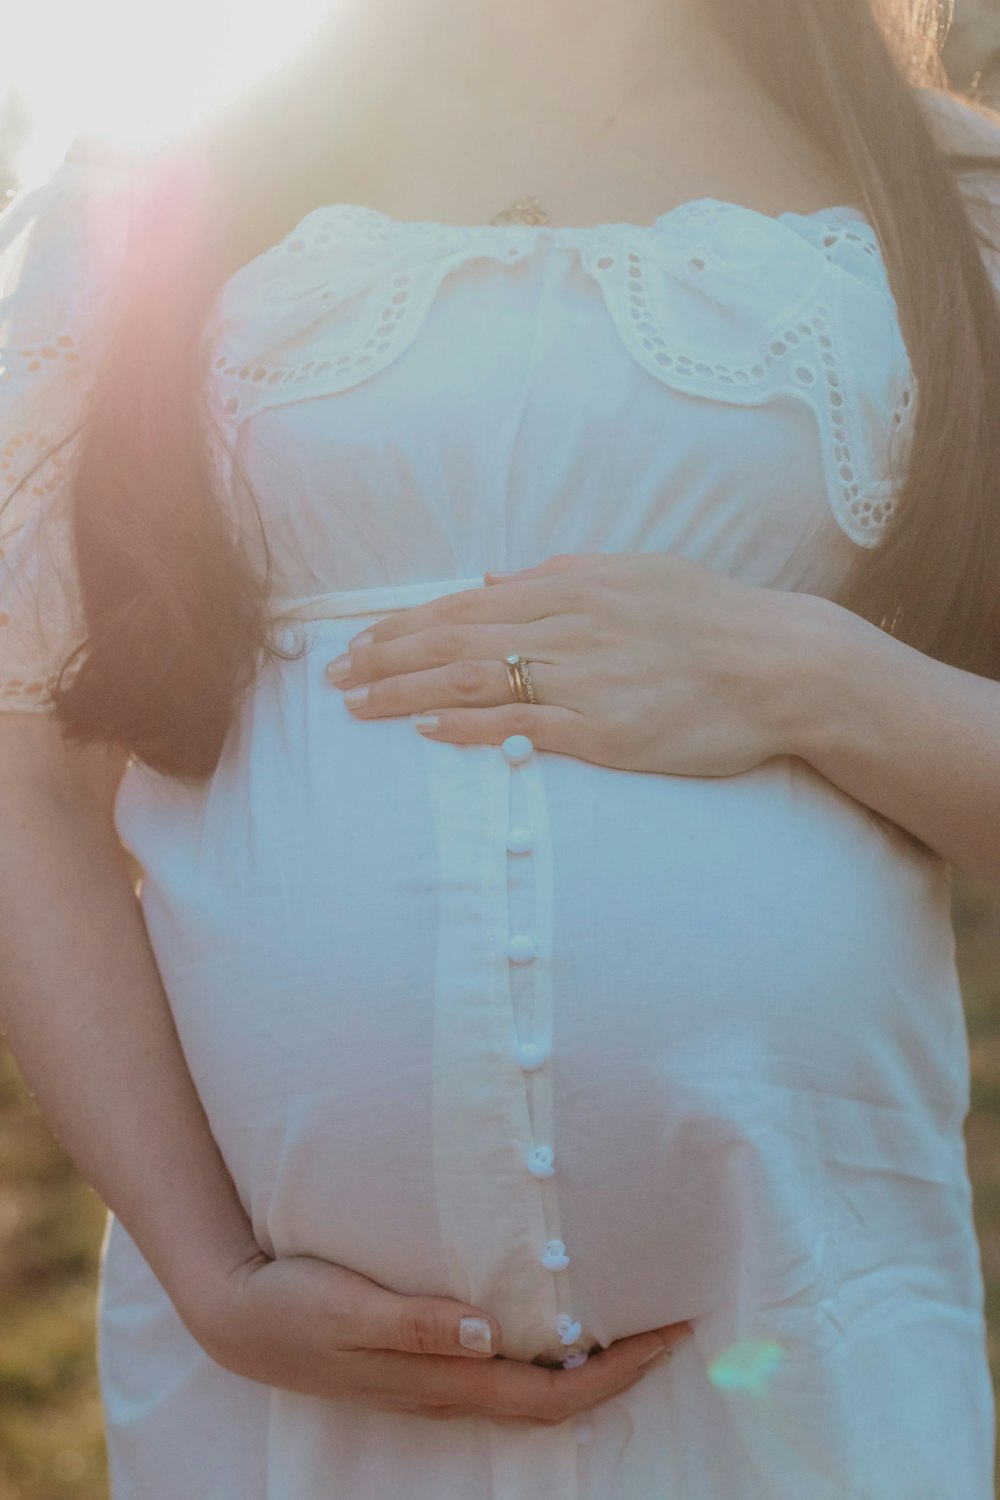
516,749
530,1056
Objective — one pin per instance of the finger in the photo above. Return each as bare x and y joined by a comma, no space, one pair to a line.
425,1325
561,562
645,1367
615,1369
504,603
513,1388
461,684
439,646
564,730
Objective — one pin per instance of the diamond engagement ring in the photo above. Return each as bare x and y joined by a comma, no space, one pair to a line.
520,681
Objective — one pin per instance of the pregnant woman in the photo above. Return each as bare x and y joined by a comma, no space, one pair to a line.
530,973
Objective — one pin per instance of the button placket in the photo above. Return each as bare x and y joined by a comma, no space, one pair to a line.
528,948
528,1048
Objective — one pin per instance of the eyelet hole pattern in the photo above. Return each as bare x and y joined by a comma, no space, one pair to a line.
804,340
815,367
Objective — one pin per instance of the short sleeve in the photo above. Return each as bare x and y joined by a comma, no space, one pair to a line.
60,244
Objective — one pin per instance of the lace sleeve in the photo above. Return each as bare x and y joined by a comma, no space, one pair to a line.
59,244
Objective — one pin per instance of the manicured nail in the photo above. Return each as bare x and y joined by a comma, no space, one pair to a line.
364,639
354,697
426,723
339,669
476,1334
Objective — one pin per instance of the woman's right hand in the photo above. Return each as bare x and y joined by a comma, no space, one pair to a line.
306,1325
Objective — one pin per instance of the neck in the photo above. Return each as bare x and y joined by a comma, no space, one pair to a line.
577,50
531,66
505,84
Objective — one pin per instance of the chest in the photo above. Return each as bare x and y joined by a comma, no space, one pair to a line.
515,421
730,141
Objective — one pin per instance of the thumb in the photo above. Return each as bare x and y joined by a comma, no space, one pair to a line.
430,1325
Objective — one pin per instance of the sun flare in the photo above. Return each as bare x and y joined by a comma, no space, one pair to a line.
138,72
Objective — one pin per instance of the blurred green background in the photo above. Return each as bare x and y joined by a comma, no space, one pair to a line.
51,1223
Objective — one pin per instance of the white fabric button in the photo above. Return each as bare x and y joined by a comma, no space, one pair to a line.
519,840
568,1329
517,748
529,1056
555,1257
521,948
578,1357
582,1431
541,1161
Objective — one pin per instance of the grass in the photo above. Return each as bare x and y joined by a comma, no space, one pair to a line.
51,1223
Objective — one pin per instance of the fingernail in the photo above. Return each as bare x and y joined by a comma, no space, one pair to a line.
339,669
654,1354
492,574
364,639
354,697
426,723
476,1334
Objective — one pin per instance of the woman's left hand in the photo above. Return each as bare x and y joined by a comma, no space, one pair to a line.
642,661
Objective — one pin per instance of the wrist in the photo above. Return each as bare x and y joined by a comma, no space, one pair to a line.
809,696
213,1316
200,1277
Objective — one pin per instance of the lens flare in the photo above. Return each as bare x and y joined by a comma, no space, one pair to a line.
747,1366
138,73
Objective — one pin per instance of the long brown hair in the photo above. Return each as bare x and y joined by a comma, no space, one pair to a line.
175,606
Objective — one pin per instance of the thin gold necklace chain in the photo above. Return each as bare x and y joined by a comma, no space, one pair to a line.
529,210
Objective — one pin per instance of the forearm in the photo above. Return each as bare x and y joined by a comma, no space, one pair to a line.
912,738
84,1010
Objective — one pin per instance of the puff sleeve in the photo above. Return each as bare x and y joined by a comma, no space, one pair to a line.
60,244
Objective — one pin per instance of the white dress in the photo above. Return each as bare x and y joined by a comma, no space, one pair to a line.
596,1050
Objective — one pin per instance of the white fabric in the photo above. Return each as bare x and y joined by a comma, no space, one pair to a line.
749,1111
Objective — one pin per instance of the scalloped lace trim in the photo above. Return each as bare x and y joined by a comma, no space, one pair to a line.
800,359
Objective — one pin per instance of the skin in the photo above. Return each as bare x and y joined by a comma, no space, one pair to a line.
645,662
616,112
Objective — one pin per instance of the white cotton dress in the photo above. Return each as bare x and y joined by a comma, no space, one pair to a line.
594,1049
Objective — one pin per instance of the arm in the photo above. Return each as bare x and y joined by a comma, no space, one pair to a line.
909,736
85,1013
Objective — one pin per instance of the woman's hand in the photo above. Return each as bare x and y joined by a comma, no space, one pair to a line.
643,661
306,1325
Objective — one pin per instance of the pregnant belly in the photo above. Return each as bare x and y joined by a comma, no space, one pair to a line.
582,1046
